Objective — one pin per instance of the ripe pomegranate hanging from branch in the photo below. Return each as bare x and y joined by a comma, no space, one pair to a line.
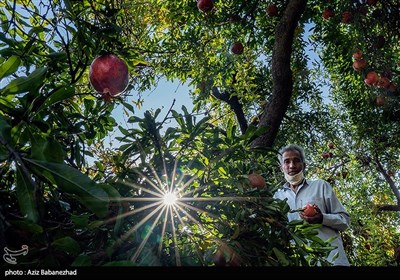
108,75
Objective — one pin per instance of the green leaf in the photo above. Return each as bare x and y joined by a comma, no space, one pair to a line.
5,129
188,118
68,245
25,84
123,130
230,130
253,132
10,66
298,240
25,196
82,260
47,150
58,95
129,107
179,120
26,225
95,224
73,181
115,195
57,56
80,221
281,256
4,154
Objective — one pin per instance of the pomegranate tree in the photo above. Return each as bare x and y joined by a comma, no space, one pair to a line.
109,75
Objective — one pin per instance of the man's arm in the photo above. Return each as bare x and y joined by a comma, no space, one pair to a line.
336,215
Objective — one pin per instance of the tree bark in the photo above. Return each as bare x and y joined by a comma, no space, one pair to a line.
275,109
235,105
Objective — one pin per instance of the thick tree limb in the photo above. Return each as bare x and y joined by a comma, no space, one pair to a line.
392,185
235,105
274,111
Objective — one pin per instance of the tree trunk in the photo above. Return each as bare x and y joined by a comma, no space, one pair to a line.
275,109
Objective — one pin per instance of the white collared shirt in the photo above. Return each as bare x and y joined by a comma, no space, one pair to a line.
335,216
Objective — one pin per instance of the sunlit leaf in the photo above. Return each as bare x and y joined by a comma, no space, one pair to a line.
73,181
10,66
24,84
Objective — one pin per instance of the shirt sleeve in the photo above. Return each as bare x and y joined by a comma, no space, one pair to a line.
336,215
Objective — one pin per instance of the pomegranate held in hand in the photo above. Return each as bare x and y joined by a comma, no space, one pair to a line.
309,210
109,75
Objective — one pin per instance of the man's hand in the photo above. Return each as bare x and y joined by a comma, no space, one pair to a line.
315,218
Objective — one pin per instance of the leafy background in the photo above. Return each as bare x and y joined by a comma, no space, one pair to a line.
76,200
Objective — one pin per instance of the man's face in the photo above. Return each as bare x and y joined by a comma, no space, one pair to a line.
292,163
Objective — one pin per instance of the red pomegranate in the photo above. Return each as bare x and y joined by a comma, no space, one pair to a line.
205,5
256,181
237,48
108,75
309,210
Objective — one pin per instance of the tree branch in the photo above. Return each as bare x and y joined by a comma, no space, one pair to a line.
235,105
392,185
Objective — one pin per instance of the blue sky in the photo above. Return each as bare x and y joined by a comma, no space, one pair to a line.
161,96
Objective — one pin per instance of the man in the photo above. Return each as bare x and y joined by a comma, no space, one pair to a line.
300,191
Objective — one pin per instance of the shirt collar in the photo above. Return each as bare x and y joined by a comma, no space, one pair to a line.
287,185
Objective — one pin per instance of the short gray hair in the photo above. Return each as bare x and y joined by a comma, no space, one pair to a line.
292,147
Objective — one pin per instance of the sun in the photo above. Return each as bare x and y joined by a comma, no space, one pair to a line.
170,199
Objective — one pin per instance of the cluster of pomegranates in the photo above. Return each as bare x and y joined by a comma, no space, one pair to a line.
326,155
347,16
372,78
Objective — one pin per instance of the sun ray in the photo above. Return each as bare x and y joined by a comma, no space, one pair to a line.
143,153
177,254
188,165
189,233
143,243
132,212
154,172
143,199
171,188
138,225
221,198
198,209
190,217
142,188
147,179
163,231
194,177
